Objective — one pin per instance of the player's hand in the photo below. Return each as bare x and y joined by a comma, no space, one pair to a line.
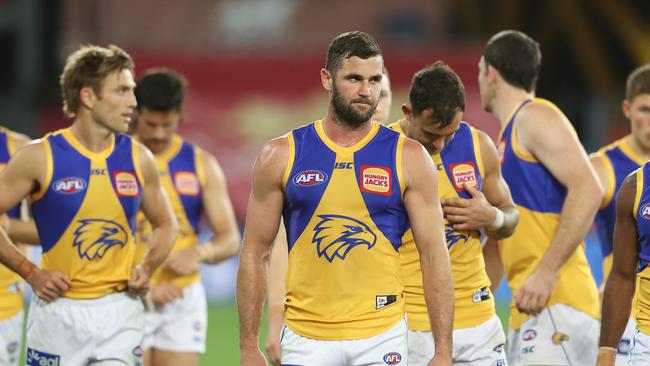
469,214
274,329
165,293
533,294
139,282
48,285
252,357
184,262
439,360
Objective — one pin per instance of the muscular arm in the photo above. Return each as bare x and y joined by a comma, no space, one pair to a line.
423,208
157,209
22,230
545,133
276,290
493,264
481,210
599,165
620,284
262,220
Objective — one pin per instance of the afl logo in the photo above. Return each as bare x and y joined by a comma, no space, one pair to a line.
69,185
392,358
645,211
529,335
309,178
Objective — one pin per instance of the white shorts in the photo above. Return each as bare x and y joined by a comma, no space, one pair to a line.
623,350
559,335
71,332
179,326
640,351
387,348
11,337
482,345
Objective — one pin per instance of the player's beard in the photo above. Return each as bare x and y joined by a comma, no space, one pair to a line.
347,114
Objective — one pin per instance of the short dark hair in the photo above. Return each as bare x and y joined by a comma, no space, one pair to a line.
516,56
160,90
88,67
638,82
437,87
350,44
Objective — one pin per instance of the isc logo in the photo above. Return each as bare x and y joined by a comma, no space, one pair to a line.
645,211
308,178
392,358
69,185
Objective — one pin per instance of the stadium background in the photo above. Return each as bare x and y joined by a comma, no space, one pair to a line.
253,71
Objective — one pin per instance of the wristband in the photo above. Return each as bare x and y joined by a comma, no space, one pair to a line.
498,221
25,268
606,356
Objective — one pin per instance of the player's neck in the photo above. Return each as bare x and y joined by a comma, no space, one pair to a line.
507,100
342,133
637,148
91,135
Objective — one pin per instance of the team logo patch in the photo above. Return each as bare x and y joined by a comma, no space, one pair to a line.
529,335
94,237
308,178
392,358
559,337
38,358
376,179
187,183
126,184
69,185
645,211
452,236
336,235
463,173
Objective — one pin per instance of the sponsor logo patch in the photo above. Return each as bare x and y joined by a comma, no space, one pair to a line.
559,337
529,335
187,183
481,294
126,184
38,358
384,300
69,185
308,178
463,173
645,211
376,179
392,358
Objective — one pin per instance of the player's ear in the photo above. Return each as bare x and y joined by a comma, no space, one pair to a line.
625,106
326,79
87,97
408,111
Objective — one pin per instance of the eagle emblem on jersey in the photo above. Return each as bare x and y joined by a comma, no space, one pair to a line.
94,237
452,236
336,235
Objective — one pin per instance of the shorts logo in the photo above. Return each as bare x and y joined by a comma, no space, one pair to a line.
645,211
186,183
138,352
392,358
623,347
463,173
38,358
499,348
308,178
376,179
336,235
12,347
69,185
529,335
126,184
559,337
94,237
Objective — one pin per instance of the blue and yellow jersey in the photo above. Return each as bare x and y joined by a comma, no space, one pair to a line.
641,212
11,302
344,219
181,176
85,213
539,198
459,162
619,160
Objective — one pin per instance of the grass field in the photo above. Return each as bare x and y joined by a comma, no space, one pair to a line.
223,334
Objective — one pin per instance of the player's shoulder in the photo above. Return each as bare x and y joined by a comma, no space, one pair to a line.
19,139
